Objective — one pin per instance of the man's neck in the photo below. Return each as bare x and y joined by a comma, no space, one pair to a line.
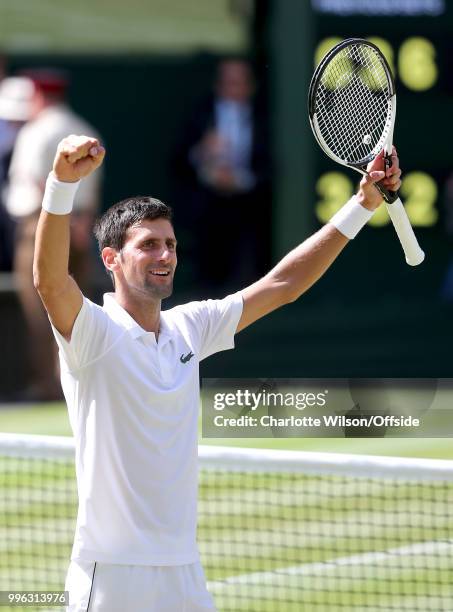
146,312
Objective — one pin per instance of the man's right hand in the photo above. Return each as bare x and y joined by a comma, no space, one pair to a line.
77,156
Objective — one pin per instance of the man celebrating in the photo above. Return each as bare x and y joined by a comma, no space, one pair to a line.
130,377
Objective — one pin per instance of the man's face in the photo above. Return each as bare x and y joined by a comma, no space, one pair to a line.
148,259
235,81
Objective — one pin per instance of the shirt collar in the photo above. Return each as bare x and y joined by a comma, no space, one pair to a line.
123,318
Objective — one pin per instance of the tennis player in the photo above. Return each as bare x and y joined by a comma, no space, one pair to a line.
129,373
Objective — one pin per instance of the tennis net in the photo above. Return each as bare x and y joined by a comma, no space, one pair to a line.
278,530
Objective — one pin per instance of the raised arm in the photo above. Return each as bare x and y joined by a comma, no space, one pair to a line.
304,265
76,157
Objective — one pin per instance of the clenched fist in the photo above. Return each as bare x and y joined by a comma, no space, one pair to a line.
77,156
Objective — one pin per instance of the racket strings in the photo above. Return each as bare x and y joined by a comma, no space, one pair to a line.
353,111
353,134
349,74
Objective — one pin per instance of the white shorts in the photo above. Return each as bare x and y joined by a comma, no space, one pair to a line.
101,587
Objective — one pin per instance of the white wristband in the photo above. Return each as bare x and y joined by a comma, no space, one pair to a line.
350,219
59,196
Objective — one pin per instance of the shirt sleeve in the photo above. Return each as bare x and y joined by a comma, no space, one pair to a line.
214,323
91,337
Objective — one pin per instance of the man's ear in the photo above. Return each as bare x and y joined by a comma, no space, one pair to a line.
110,257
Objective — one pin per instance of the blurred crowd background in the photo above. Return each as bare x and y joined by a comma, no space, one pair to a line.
203,105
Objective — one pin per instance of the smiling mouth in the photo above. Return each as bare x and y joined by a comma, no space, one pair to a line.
160,272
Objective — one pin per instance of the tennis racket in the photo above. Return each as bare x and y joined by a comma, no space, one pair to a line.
352,107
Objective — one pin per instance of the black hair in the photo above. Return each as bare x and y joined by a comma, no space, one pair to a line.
110,229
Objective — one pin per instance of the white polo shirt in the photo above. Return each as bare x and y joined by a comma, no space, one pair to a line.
133,406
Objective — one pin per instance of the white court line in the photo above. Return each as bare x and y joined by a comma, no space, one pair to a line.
323,567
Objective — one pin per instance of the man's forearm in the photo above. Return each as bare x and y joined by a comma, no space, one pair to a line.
305,264
52,241
76,157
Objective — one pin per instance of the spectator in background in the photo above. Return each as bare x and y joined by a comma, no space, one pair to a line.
52,119
224,169
16,95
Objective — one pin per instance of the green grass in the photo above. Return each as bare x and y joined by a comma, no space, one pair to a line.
45,419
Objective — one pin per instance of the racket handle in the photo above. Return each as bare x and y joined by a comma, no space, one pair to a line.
412,251
389,196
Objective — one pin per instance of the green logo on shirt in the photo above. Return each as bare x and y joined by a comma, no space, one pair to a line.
186,358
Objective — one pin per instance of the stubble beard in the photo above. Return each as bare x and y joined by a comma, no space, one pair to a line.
156,292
